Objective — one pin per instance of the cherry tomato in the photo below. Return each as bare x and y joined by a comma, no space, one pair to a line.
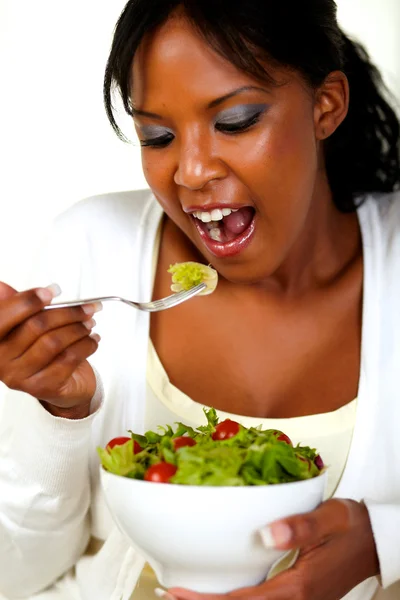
226,430
319,463
136,447
120,441
160,473
182,441
282,437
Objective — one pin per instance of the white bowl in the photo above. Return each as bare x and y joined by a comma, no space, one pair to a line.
205,538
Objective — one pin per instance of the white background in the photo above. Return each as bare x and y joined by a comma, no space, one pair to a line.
56,145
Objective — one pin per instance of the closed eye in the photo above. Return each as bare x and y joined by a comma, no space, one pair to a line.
239,126
157,142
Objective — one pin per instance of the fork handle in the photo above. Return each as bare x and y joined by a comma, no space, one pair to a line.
80,302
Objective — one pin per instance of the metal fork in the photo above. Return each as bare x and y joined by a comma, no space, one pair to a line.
162,304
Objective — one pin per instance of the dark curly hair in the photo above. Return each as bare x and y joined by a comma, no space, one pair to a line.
363,155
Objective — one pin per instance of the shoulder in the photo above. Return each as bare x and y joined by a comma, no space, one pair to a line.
83,248
94,229
380,224
380,215
389,211
383,210
112,213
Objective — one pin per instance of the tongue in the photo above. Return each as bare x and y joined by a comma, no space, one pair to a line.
239,221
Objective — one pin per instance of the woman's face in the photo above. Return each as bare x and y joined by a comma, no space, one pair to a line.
214,141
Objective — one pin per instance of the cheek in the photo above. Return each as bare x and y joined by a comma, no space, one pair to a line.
159,170
159,176
293,171
295,150
292,149
283,163
280,156
153,170
279,169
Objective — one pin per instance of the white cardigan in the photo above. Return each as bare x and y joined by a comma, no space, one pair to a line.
50,501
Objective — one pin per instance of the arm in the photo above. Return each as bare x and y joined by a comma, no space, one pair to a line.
44,462
45,494
385,522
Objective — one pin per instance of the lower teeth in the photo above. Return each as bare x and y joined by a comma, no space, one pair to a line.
215,234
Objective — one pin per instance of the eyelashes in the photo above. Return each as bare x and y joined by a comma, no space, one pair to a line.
157,142
228,127
239,126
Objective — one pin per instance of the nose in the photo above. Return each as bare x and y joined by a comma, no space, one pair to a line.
198,163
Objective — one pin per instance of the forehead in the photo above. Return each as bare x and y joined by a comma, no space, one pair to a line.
176,62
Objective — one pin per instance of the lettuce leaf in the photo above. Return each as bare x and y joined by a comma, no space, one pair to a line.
119,460
209,464
189,274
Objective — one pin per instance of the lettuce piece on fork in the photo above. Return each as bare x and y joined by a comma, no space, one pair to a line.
189,274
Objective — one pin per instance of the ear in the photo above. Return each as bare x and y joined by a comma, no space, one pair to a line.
331,104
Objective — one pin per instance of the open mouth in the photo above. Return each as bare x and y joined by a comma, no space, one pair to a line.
225,231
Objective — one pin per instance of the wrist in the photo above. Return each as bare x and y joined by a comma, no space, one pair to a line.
74,413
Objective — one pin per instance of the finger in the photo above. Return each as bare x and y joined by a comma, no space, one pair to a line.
285,586
182,594
24,336
331,517
55,376
281,587
14,309
48,347
6,291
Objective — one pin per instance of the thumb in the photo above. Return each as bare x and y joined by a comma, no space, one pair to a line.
6,291
330,518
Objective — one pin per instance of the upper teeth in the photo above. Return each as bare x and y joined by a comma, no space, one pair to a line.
214,215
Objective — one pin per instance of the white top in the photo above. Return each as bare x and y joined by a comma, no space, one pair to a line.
50,500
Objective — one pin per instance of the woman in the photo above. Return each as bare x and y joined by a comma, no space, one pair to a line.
272,154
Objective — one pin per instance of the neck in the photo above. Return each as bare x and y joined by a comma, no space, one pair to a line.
329,242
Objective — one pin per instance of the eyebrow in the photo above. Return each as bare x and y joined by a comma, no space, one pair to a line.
246,88
137,112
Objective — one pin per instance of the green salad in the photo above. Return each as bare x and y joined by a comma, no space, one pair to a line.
216,454
189,274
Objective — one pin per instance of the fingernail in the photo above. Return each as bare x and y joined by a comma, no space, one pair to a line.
163,594
89,324
276,535
95,337
90,309
54,289
49,292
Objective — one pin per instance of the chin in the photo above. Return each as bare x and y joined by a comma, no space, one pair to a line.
244,273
